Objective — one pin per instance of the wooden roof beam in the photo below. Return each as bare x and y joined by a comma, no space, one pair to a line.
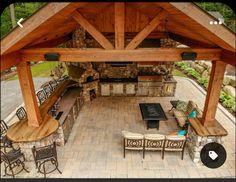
136,55
98,36
119,25
9,60
146,30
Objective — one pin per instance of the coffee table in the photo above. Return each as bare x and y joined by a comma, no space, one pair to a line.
152,113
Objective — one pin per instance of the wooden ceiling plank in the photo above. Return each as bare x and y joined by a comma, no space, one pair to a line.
98,36
146,31
119,25
188,41
51,43
142,54
221,34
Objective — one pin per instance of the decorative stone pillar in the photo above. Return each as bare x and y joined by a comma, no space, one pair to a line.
196,143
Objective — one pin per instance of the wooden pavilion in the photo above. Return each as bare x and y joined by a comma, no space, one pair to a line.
51,26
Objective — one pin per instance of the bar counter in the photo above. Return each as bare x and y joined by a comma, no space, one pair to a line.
22,132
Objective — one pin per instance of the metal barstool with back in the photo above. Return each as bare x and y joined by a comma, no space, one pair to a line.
21,113
45,154
12,160
5,142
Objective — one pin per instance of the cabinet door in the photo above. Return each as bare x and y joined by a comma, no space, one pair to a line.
118,89
130,89
105,89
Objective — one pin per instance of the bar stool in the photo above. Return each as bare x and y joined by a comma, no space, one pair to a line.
43,155
21,114
53,84
4,141
41,96
48,90
12,159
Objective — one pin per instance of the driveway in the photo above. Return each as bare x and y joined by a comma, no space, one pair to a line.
11,96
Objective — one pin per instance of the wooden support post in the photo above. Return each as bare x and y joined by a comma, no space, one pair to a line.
120,25
28,92
213,93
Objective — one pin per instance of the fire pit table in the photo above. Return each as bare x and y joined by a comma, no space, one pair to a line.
152,113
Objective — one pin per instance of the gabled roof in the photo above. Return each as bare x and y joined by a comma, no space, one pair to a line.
53,23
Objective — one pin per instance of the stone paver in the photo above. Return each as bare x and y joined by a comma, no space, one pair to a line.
94,148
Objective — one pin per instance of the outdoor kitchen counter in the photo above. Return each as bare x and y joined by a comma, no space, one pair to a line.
22,132
67,102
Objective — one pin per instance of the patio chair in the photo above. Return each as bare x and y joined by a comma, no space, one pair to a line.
154,142
21,113
133,141
45,154
13,159
41,95
53,84
48,90
4,141
175,143
182,111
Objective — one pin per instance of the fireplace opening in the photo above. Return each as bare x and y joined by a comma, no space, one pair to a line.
89,79
92,94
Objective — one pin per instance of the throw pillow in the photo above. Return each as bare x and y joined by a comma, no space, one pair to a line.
181,106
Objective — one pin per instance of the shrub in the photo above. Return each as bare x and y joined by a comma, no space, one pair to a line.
183,67
229,103
202,80
234,107
224,96
192,72
181,64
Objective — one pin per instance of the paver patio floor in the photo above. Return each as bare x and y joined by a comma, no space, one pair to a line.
95,148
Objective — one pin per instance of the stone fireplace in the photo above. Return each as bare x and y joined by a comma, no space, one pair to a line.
87,78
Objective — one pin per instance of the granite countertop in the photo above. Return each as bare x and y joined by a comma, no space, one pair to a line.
67,101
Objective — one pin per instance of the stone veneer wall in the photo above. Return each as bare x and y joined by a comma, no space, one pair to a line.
195,144
106,70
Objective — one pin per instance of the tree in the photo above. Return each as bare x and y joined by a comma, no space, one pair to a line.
13,16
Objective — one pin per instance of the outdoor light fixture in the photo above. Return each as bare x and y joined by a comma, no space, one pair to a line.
189,56
52,56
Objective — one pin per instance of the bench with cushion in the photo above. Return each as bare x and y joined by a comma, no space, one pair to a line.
154,142
132,141
182,111
175,143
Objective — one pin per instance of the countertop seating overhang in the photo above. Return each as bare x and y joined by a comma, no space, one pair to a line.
22,132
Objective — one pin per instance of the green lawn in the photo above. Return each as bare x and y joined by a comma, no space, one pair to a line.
176,72
40,70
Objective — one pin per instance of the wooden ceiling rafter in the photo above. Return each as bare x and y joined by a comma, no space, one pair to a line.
97,35
146,30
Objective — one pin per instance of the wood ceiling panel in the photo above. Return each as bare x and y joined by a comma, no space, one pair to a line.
37,25
198,22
